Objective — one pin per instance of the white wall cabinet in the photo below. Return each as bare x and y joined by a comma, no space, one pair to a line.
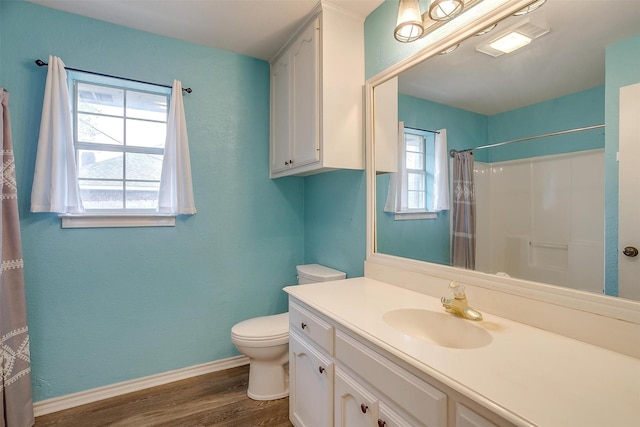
339,380
317,97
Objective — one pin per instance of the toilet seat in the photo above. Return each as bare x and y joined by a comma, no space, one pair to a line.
262,331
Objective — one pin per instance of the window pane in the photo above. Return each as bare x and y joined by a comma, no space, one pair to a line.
142,195
148,106
141,133
100,164
415,161
144,166
101,194
415,182
415,200
100,129
414,143
100,99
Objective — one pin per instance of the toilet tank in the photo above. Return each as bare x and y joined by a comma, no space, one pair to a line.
312,273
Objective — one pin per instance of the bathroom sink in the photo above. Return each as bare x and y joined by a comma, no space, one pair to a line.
443,329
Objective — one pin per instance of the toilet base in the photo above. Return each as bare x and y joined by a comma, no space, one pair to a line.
267,381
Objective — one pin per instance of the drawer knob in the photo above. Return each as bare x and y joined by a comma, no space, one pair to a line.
321,369
303,325
381,423
364,408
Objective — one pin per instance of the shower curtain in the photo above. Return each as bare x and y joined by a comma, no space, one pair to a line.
463,240
15,387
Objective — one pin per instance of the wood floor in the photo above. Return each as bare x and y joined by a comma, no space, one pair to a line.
217,399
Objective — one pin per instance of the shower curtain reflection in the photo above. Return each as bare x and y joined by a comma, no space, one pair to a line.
463,234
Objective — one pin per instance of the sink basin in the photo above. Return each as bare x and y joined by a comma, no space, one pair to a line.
443,329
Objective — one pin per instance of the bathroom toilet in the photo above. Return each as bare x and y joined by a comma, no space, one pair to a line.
265,341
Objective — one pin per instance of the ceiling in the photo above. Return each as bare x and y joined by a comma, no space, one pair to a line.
569,59
256,28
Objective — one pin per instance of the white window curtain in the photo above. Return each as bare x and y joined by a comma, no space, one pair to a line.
440,199
395,201
176,188
55,182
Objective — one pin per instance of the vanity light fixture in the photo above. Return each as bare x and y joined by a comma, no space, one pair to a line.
527,9
412,24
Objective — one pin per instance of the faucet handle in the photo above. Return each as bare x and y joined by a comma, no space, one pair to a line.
457,289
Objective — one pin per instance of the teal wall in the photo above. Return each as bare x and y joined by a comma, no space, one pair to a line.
623,69
108,305
572,111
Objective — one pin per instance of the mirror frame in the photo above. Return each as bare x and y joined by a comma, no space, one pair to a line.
608,306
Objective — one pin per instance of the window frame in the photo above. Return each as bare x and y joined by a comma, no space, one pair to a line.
416,213
114,217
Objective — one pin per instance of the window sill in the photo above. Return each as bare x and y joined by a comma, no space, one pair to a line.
403,216
117,220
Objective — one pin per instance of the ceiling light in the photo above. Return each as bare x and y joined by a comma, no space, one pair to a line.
527,9
512,38
510,42
412,24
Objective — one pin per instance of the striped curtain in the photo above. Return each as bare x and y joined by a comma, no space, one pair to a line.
16,406
463,241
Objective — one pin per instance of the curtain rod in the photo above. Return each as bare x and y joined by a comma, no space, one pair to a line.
41,63
423,130
497,144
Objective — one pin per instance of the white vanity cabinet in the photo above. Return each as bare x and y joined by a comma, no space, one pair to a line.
336,379
317,97
311,369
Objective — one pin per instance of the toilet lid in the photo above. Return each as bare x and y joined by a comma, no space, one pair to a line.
263,328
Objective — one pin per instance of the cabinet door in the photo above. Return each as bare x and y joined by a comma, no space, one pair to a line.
465,417
305,97
354,406
310,385
280,120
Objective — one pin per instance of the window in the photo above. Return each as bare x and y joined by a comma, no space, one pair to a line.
419,189
119,133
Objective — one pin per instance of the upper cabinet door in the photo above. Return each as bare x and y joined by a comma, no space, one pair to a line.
305,96
280,129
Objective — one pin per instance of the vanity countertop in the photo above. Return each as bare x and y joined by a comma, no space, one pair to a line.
526,375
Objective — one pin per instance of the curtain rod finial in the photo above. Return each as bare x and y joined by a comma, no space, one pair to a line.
40,63
452,152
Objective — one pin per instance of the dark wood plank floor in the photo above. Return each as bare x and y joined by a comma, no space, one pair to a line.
217,399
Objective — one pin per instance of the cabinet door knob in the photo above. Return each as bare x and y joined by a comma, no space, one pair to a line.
286,163
630,251
364,408
321,369
381,423
303,325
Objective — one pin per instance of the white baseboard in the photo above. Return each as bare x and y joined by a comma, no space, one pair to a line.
60,403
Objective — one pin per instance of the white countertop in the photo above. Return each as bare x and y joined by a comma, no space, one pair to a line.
526,375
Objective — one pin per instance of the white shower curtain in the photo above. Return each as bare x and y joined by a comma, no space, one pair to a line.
55,184
16,404
176,188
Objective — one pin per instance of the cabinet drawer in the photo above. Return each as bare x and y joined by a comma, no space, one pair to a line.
312,326
423,401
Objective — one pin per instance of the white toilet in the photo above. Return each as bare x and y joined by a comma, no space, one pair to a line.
265,341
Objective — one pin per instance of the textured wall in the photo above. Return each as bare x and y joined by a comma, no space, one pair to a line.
108,305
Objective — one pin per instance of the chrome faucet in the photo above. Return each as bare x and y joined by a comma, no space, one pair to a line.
458,304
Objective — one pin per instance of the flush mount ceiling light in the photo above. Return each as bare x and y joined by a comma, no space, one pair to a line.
512,38
412,24
527,9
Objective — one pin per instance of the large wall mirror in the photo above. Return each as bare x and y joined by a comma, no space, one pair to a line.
546,203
